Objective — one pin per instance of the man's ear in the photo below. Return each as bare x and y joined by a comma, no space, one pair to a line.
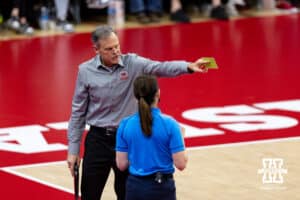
96,48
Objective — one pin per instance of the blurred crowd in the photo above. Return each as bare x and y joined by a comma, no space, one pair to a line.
24,16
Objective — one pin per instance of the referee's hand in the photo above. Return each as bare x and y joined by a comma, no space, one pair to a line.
71,162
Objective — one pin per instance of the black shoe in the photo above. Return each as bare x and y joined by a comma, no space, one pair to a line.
142,18
25,29
180,16
63,25
219,12
154,17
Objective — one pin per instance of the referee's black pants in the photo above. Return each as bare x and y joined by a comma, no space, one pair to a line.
99,158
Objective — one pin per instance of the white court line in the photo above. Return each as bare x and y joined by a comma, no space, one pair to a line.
244,143
31,178
35,165
62,125
12,169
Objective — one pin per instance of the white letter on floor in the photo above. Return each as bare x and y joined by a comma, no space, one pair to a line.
26,139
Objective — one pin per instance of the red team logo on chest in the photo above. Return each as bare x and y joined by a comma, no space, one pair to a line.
123,75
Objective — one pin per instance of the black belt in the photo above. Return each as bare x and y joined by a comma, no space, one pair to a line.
108,130
158,176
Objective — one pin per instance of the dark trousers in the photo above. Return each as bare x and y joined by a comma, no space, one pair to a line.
99,159
138,188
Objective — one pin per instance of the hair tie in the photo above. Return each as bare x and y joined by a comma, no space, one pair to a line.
141,96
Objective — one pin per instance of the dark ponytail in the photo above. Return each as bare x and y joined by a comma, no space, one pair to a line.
145,116
145,88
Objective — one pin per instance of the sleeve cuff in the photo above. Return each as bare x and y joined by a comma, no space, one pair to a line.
121,149
189,70
177,149
74,148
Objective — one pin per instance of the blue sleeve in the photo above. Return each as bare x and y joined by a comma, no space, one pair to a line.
121,144
176,140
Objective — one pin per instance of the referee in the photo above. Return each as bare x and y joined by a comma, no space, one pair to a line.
150,143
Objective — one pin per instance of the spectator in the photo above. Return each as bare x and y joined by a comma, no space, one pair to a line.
62,7
231,6
216,10
177,13
286,5
18,19
146,12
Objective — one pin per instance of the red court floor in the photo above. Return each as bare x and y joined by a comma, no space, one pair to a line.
254,95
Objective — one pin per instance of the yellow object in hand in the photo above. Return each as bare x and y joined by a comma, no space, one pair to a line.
212,62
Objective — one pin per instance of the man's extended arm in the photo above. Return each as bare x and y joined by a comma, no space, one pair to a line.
168,68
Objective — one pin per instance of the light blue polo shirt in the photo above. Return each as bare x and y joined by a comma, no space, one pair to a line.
148,155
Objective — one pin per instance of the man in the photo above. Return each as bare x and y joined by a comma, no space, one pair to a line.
103,96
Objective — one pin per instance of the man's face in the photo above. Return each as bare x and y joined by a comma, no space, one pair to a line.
109,50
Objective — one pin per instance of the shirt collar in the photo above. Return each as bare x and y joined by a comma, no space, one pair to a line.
100,64
155,110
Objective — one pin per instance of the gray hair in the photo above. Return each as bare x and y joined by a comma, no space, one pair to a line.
101,32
